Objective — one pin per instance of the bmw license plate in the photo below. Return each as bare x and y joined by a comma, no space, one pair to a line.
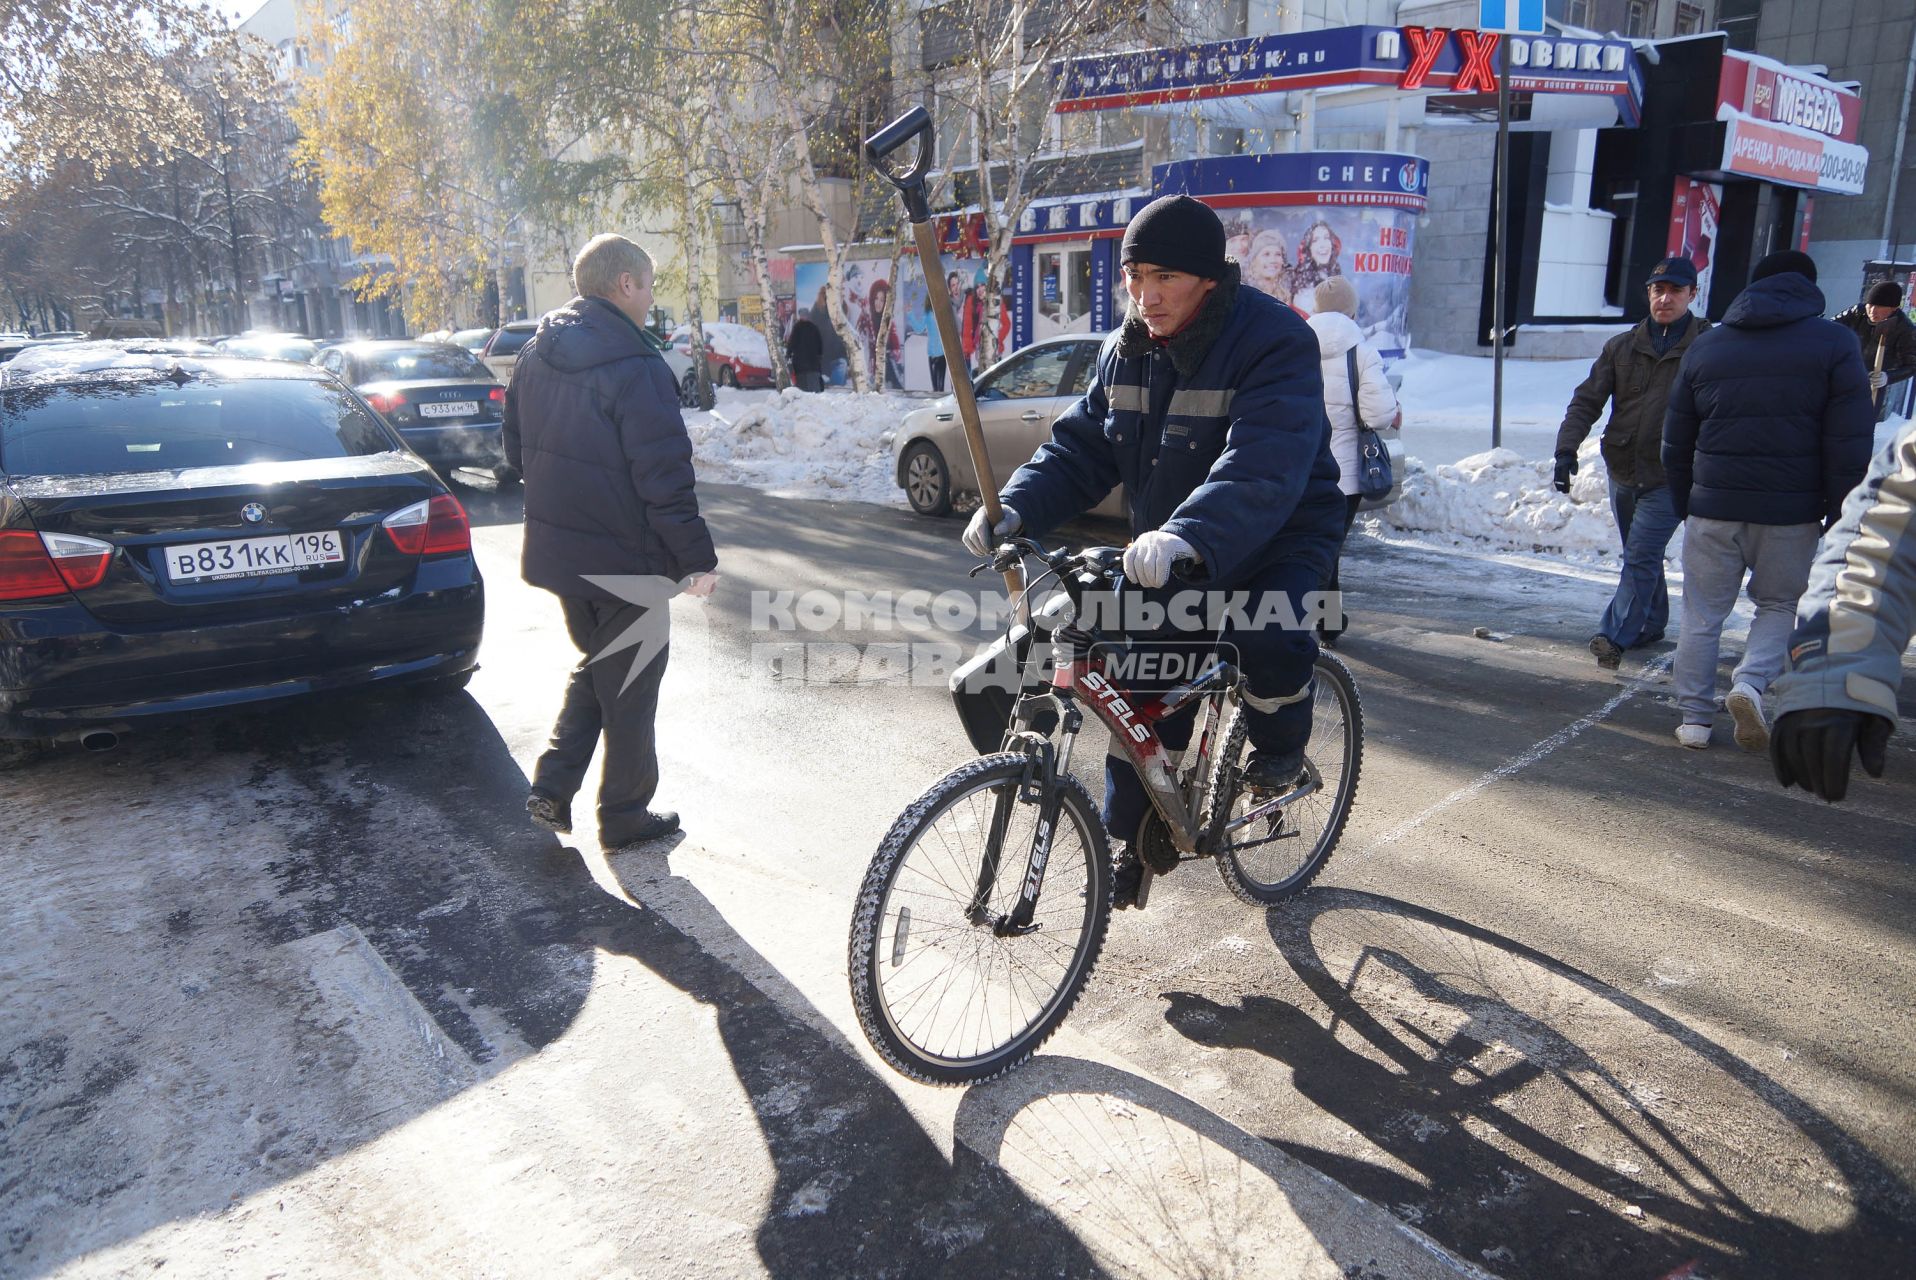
252,557
450,409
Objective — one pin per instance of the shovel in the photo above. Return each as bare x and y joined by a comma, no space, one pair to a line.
985,688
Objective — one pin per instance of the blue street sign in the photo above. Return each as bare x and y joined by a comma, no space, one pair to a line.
1519,17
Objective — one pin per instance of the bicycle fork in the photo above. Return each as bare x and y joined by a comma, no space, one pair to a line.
1043,767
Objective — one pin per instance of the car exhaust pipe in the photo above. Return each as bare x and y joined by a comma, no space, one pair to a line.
100,740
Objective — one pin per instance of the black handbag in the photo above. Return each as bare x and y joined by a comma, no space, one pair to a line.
1374,477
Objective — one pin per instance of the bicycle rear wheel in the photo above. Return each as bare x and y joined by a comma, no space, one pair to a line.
1277,856
942,997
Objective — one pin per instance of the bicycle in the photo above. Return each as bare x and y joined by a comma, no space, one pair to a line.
958,971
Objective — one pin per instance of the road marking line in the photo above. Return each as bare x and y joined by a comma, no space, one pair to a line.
1524,759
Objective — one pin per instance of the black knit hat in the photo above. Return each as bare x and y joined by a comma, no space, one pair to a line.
1886,294
1178,233
1785,260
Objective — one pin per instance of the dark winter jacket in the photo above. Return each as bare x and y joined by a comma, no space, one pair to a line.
1219,437
1631,374
805,346
592,421
1900,360
1770,420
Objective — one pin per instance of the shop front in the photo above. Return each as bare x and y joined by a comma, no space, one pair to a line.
1737,149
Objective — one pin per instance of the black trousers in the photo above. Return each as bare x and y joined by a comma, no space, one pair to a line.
1352,501
599,704
937,373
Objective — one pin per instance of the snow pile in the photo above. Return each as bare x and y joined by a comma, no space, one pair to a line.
795,444
1500,500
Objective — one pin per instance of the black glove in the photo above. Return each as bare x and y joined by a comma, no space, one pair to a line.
1566,467
1811,749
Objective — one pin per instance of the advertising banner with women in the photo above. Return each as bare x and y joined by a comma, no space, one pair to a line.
906,355
1295,220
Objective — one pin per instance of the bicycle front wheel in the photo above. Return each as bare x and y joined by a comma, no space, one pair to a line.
1275,857
941,996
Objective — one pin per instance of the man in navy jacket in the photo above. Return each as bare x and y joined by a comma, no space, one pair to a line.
1208,406
592,422
1769,428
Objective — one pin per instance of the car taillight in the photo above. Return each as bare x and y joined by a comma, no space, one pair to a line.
35,565
385,402
497,395
430,528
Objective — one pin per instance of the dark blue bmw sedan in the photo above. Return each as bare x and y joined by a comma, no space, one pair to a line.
181,533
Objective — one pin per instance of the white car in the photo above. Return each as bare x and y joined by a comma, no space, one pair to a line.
1018,399
500,353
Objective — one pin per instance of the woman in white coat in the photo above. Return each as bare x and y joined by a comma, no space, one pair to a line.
1337,334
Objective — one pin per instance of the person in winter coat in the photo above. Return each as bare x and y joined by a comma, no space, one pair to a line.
934,348
1879,321
1207,406
1341,347
1838,698
805,349
1633,373
1767,431
592,421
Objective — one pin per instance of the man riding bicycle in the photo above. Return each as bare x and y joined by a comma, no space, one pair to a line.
1207,404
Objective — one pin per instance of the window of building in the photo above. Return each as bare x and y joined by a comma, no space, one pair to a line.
1638,23
1689,19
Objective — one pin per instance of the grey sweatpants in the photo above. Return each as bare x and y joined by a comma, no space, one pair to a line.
1716,555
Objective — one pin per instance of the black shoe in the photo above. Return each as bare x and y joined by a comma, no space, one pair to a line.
1609,654
1329,639
1273,772
654,826
550,812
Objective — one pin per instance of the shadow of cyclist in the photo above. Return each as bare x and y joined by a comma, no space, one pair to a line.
1507,1083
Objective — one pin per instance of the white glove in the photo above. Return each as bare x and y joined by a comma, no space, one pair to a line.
982,538
1878,380
1147,561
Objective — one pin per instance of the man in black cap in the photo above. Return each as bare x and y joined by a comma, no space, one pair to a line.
1207,405
1882,326
1767,432
1633,372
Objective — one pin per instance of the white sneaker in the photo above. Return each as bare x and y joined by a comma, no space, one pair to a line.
1745,706
1694,736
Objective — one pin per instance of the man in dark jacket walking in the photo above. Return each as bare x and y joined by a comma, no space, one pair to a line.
592,420
1883,328
1768,430
1207,404
805,348
1634,372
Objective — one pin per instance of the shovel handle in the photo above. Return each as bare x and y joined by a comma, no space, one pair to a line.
910,181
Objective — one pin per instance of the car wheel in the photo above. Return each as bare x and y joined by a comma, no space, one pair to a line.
728,376
689,389
927,480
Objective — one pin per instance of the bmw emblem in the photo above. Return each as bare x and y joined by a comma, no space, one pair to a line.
253,513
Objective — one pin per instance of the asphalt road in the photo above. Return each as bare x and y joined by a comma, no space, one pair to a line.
300,992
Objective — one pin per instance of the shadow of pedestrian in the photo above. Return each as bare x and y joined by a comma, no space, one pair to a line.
860,1187
1521,1109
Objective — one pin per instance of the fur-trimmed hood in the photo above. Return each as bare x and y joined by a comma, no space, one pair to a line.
1194,341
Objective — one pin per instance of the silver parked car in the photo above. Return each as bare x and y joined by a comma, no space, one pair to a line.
1018,399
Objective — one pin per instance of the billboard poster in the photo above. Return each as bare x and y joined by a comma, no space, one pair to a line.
1694,211
1288,250
906,352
